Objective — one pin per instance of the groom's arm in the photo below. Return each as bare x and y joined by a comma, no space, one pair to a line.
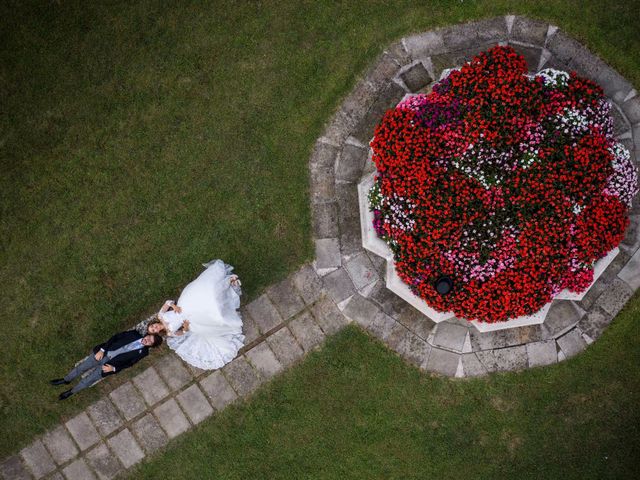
124,361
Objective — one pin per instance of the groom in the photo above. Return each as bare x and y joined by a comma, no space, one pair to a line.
120,352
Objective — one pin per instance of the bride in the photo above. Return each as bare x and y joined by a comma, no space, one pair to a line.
203,326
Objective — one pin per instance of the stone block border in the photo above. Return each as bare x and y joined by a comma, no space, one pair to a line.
344,283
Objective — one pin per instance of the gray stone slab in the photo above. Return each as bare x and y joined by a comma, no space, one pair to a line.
105,416
60,445
492,29
218,390
327,316
151,386
149,433
562,316
173,371
450,336
504,359
37,459
306,331
103,462
339,127
458,58
414,349
264,360
171,418
399,54
128,401
384,68
360,310
416,77
529,31
631,241
542,353
13,469
323,155
443,362
360,99
530,54
78,470
615,297
125,447
505,338
325,220
350,235
308,284
195,404
338,285
562,46
424,44
328,253
471,366
350,163
285,347
382,326
264,313
594,322
243,378
396,336
631,272
249,328
571,343
322,184
389,302
388,97
415,321
285,298
361,271
83,431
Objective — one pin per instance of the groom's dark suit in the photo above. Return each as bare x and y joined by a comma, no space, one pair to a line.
124,360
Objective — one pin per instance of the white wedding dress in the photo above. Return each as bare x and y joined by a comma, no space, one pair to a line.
210,304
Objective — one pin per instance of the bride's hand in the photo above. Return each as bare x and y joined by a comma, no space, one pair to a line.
177,308
185,326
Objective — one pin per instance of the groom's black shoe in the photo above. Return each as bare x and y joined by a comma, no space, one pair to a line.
59,381
65,395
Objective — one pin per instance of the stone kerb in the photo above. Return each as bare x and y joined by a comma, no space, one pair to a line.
354,276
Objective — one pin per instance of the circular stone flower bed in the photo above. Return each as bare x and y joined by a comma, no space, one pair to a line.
508,184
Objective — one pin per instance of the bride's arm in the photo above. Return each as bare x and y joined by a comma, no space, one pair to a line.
167,305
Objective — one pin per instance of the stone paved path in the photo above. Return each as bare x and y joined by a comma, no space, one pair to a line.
345,283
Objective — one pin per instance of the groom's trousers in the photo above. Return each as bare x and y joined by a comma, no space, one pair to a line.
94,375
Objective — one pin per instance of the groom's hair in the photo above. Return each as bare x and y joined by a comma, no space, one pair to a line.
157,341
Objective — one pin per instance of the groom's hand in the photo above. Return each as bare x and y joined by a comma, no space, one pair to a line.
108,368
99,355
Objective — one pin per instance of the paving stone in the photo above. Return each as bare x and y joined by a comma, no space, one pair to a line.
571,343
339,127
563,47
218,390
78,470
125,447
13,469
594,322
492,29
264,313
615,86
328,317
285,347
322,186
128,401
620,123
415,321
361,271
450,336
171,418
505,338
325,220
414,349
360,99
562,316
103,462
425,44
60,445
471,366
631,272
542,353
83,431
264,360
631,241
151,386
37,459
456,58
397,51
308,284
416,77
149,433
382,326
396,336
56,476
338,285
306,331
460,37
615,297
529,31
285,298
360,310
443,362
242,377
530,54
631,109
389,96
389,302
328,253
350,163
384,69
194,403
323,155
504,359
249,328
105,416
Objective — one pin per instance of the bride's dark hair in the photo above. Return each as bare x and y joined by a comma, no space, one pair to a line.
158,322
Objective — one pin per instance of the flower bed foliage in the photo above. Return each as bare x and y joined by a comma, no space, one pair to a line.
511,184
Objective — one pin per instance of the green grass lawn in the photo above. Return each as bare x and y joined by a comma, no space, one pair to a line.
356,410
139,139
